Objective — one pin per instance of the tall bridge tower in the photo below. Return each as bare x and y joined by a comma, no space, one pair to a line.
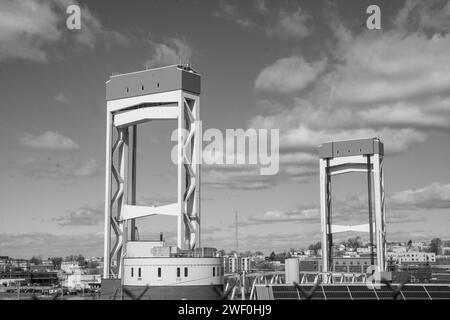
168,93
364,155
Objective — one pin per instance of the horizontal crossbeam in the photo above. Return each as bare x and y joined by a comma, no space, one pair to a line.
142,115
348,167
132,212
335,228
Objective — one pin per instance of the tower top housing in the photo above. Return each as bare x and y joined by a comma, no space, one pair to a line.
347,148
171,78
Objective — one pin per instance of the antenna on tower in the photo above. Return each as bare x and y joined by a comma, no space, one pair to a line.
185,64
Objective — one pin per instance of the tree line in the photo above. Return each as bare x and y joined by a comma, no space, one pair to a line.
57,261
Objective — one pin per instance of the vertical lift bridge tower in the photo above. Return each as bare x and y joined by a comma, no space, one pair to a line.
169,93
364,155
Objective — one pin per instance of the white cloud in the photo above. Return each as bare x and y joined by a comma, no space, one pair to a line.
296,158
424,16
303,214
92,30
31,29
371,84
230,12
278,241
387,67
433,196
288,75
375,85
63,170
84,216
88,169
290,24
261,7
248,177
297,136
402,207
50,245
61,98
48,140
278,22
25,27
234,177
170,51
402,114
156,201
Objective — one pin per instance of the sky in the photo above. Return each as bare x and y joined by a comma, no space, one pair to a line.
311,69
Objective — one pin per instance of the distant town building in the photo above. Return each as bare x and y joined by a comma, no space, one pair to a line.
364,250
258,258
350,254
310,264
400,257
41,267
26,277
71,267
351,264
443,260
419,245
235,264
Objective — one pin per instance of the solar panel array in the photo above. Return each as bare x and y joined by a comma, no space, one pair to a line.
361,292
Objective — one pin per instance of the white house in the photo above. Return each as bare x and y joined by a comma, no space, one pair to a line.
81,281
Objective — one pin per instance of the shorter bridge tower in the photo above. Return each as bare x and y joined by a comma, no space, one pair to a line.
339,157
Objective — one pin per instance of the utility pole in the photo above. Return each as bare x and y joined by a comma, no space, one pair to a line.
236,229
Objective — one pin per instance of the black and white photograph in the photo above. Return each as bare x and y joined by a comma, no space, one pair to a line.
249,151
